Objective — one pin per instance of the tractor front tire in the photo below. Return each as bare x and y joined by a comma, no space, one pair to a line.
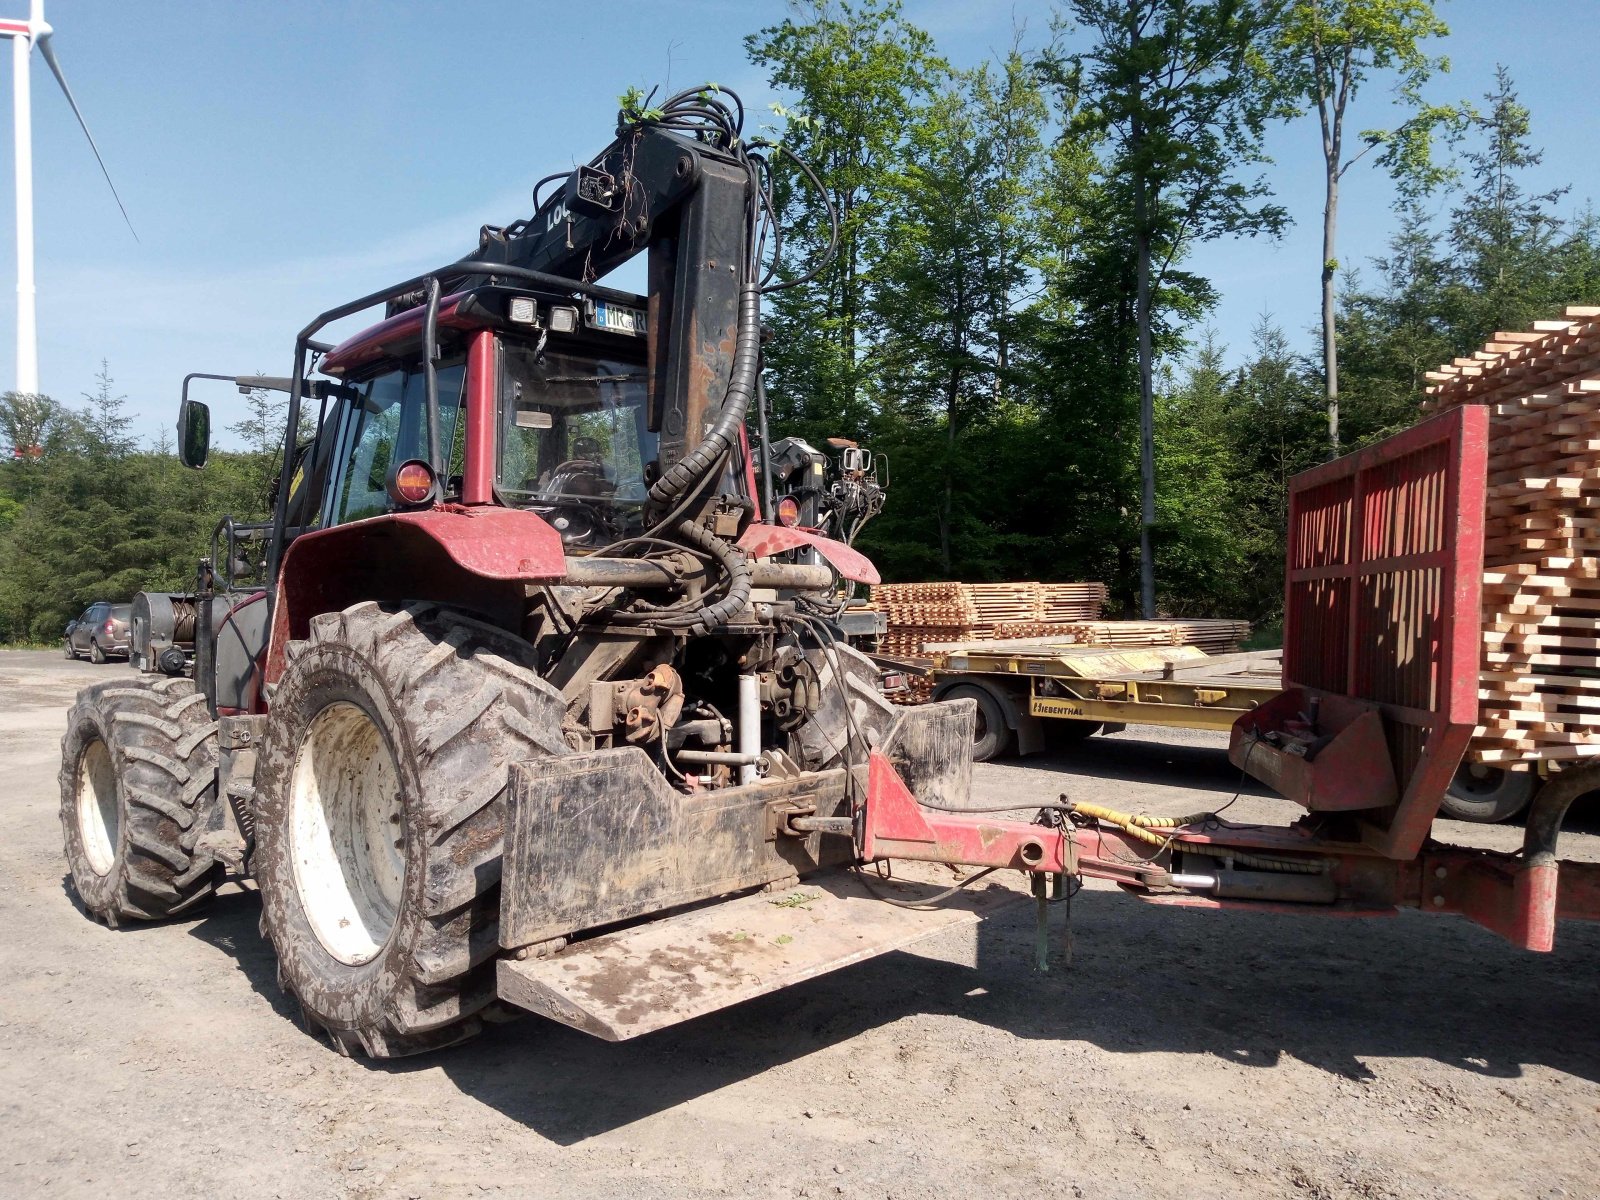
380,811
138,770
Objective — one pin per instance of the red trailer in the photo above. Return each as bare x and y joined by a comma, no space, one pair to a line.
1382,639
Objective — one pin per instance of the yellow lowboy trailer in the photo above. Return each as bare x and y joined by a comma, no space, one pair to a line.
1034,693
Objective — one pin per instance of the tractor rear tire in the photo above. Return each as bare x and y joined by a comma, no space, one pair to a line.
381,799
138,770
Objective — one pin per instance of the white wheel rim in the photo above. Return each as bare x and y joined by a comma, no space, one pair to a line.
98,817
347,833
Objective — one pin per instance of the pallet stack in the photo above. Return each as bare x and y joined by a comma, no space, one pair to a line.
1539,688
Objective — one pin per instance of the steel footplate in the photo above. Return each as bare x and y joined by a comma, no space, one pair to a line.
637,980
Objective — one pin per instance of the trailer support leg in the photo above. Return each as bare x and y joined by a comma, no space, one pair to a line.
1041,927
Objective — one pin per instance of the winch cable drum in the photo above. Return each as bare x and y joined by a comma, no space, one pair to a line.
716,116
160,621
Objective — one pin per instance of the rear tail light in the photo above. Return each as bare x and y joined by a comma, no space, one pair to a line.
110,625
789,511
411,483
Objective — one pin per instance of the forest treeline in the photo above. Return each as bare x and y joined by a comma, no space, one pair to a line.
1012,290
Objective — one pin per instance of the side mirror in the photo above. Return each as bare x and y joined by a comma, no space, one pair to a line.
194,433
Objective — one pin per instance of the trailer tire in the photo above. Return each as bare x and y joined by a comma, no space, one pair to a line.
380,811
991,736
138,770
1488,794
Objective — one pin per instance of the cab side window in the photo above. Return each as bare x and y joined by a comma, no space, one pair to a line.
388,425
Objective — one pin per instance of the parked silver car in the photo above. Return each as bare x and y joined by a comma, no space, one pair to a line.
100,631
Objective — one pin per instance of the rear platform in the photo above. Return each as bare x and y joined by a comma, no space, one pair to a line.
636,980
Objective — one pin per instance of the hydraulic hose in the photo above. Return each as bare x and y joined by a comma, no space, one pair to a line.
1140,825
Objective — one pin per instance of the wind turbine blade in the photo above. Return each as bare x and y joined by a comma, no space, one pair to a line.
55,69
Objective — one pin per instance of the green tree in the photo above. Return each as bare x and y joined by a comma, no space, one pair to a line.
1183,117
1505,241
953,272
857,76
1325,51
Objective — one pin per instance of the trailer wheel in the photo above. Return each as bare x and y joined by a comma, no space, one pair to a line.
991,736
1488,794
138,767
380,808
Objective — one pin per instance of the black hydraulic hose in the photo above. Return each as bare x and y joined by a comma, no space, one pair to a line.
737,567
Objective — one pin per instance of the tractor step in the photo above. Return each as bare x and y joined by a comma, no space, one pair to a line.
637,980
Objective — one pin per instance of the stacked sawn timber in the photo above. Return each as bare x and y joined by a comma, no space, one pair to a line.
1539,690
920,613
1212,636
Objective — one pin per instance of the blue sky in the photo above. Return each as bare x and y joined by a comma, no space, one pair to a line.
280,158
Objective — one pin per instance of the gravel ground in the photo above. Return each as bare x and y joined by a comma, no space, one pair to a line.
1182,1054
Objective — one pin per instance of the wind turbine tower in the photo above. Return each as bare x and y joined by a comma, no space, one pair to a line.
25,35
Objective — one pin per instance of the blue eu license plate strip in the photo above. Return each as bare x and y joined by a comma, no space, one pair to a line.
619,318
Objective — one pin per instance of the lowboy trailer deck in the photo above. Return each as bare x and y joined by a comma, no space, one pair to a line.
1035,692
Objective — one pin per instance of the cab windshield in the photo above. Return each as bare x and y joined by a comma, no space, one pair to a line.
573,444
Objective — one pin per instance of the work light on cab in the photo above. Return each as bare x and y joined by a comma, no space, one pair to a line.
523,310
412,482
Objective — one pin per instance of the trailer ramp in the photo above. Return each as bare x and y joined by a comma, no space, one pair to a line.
637,980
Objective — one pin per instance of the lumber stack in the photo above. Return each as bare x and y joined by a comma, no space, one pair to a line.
1539,688
1071,601
1214,637
920,613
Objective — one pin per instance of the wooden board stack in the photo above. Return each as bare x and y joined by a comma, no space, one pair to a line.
1214,637
923,612
1071,601
956,612
1539,690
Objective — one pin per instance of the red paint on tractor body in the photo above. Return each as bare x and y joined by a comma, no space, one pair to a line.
378,341
476,559
762,541
478,471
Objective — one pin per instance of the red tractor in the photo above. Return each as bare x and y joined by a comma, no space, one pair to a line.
525,534
531,707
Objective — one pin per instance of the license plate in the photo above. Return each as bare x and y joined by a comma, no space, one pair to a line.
619,318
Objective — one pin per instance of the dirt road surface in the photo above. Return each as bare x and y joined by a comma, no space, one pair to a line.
1182,1054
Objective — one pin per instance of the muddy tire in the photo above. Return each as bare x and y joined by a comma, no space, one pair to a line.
138,772
97,655
68,651
380,812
